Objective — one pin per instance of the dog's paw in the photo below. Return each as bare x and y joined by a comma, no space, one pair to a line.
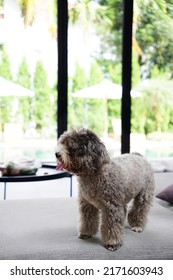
113,247
83,236
137,229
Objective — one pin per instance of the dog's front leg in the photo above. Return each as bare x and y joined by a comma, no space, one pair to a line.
89,219
112,225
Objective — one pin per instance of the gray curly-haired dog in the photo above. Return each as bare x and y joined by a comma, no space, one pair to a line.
106,186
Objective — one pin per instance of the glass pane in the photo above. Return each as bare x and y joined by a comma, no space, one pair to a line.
94,55
152,113
28,57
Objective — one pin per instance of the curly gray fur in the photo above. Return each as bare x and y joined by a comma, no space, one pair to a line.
106,186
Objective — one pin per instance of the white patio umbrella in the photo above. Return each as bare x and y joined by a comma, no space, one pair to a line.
104,90
8,88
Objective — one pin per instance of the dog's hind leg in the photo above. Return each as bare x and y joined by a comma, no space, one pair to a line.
137,216
89,219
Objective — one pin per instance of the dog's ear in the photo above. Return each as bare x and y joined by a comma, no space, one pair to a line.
101,157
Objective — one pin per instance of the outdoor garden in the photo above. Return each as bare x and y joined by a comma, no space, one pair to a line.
95,55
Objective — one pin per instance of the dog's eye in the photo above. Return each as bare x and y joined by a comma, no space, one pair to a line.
72,151
77,151
80,151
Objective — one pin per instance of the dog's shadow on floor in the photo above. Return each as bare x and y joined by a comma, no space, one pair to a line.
94,240
97,240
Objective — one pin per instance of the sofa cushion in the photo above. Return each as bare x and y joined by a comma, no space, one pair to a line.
46,229
166,194
162,164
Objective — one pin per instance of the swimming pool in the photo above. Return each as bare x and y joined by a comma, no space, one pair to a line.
44,150
47,154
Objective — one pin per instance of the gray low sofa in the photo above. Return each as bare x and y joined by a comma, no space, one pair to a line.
46,229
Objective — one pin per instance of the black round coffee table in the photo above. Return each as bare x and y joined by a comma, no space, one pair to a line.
46,172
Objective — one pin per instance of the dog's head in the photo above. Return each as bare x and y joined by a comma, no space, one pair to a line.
81,152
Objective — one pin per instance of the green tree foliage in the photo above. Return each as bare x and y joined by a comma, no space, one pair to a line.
5,102
111,30
76,116
24,79
136,71
5,68
27,10
96,109
1,3
95,75
41,108
42,104
154,109
152,58
83,111
155,37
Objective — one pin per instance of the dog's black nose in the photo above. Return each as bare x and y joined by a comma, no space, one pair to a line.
57,155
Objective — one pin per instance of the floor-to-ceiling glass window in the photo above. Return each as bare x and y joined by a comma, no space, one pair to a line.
152,113
28,79
94,63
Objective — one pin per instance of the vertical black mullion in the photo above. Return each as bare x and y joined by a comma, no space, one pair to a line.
126,75
62,101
